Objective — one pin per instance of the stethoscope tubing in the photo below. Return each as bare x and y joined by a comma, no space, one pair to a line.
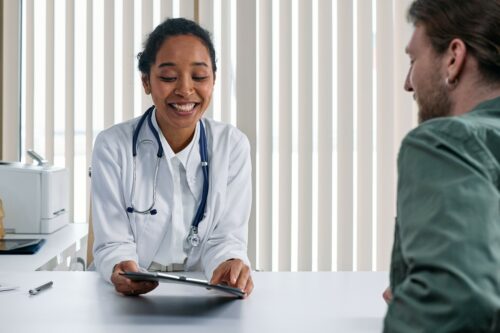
193,237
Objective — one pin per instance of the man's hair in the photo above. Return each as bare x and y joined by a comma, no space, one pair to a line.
169,28
475,22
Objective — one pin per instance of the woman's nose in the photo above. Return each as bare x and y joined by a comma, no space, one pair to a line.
184,88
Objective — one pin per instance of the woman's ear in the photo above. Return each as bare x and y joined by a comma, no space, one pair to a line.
146,84
456,56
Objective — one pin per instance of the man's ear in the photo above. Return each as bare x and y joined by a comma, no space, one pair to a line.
455,59
145,83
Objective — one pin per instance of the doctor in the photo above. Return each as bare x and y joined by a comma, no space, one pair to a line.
171,190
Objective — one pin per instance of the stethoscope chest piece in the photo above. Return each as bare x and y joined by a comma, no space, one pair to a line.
193,239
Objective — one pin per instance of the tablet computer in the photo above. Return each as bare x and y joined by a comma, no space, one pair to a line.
163,277
20,246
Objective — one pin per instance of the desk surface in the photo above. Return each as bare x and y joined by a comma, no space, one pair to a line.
55,244
281,302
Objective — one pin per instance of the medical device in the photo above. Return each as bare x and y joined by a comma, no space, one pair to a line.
193,238
35,197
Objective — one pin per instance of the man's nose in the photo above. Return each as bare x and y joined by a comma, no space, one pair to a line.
407,86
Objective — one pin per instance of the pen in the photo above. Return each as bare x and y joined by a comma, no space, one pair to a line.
42,287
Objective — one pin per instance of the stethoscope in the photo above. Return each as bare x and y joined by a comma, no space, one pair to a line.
193,238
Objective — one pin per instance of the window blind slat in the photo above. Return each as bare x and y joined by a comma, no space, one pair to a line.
364,144
130,73
108,55
325,134
206,20
265,135
246,67
345,136
166,9
89,126
305,136
386,197
285,137
70,102
49,82
186,9
146,28
29,76
226,70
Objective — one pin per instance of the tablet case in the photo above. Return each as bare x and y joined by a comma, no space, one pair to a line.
162,277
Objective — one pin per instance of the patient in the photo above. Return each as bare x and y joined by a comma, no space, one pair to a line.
445,269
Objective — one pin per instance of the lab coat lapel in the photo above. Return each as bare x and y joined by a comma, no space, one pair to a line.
153,227
195,169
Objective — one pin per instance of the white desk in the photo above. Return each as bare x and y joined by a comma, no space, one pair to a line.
281,302
58,246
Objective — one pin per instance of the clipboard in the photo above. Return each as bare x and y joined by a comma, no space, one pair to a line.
169,278
20,246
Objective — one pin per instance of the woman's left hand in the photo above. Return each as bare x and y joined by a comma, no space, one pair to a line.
234,273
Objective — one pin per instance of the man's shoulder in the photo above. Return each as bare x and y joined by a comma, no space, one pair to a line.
478,125
444,128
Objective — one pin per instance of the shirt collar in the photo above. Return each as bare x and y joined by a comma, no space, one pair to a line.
184,154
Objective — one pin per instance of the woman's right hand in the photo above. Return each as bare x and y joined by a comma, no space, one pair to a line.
125,285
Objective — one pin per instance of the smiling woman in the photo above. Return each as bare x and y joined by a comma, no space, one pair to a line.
173,149
180,82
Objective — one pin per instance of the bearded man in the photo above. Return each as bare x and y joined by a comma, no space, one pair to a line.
445,267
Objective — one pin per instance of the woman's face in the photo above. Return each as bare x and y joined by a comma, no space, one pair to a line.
180,82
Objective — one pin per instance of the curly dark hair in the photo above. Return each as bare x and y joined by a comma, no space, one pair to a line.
168,28
475,22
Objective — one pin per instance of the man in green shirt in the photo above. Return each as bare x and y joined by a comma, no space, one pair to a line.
445,269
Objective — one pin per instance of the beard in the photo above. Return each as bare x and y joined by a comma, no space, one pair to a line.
434,101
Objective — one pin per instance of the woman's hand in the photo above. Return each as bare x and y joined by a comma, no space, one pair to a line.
234,273
125,285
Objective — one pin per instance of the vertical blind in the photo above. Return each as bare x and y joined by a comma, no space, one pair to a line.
316,85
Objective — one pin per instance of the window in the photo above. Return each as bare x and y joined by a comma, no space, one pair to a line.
315,85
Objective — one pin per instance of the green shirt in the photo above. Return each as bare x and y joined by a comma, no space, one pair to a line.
445,269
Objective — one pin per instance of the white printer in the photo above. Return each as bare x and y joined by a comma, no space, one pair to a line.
35,197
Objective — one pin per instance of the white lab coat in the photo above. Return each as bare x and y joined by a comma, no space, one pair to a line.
123,236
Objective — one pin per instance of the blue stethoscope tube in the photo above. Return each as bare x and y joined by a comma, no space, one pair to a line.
193,238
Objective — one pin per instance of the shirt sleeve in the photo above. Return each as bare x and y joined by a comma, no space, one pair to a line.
114,240
229,237
447,270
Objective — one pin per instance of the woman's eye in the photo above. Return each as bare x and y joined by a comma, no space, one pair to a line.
167,78
200,78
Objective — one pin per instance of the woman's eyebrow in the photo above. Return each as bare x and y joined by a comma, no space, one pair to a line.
164,64
171,64
201,63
